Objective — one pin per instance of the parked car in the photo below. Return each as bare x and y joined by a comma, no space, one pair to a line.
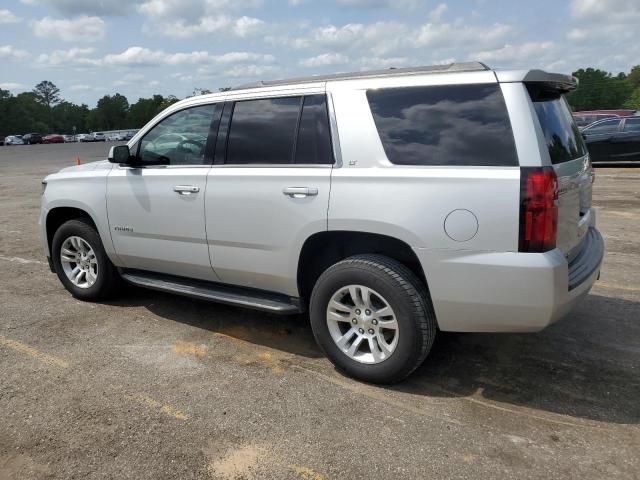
614,139
387,204
69,138
53,138
582,120
129,135
99,137
84,137
13,140
32,138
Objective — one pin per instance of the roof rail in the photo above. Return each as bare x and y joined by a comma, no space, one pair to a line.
446,68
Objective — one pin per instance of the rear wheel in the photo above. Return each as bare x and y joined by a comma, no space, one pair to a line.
373,318
81,262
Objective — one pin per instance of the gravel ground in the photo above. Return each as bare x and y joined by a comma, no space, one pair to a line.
157,386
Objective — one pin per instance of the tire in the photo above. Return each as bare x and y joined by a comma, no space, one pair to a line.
389,283
106,281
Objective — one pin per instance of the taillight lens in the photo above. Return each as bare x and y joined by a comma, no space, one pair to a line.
538,209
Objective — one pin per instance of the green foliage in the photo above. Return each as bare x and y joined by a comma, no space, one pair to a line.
46,93
599,90
634,100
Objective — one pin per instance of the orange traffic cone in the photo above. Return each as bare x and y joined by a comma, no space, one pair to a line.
78,160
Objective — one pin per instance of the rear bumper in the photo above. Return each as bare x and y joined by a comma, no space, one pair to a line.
509,291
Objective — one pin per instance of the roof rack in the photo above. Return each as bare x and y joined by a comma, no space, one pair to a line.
446,68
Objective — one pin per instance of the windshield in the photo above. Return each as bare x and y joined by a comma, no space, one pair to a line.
561,134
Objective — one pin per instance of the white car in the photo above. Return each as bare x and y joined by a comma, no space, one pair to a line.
84,137
389,205
99,137
69,138
13,140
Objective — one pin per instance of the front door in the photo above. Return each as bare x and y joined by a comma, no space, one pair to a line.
156,206
269,189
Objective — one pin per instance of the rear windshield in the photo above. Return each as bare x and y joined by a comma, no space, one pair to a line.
561,133
444,125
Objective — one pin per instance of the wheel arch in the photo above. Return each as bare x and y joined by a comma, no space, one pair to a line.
323,249
59,215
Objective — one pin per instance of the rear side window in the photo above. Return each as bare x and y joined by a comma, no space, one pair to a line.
632,125
607,126
561,133
444,125
314,141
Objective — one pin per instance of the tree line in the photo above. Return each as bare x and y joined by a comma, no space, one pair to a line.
44,110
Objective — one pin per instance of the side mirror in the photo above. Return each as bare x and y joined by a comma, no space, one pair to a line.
119,154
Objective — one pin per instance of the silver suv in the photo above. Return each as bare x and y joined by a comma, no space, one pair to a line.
387,204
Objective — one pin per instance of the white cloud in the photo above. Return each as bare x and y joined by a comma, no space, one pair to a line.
79,29
244,26
436,14
325,59
606,11
74,57
85,7
9,51
140,56
7,17
80,87
12,86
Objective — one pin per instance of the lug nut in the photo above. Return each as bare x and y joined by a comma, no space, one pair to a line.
358,312
374,321
371,331
361,330
368,312
354,321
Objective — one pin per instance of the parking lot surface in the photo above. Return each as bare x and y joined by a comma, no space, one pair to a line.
158,386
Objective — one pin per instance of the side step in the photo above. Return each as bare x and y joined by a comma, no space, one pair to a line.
215,292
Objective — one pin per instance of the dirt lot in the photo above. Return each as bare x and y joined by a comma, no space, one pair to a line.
156,386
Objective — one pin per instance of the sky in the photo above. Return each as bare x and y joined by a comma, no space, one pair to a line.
90,48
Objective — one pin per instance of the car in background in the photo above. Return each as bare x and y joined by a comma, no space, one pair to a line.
13,140
99,137
53,138
69,138
84,137
584,119
32,138
613,139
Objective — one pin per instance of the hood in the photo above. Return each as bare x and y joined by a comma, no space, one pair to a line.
85,167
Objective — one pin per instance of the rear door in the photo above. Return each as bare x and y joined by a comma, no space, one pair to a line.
628,141
600,140
269,188
572,166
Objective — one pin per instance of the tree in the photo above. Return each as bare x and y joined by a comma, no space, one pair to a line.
200,91
599,90
47,93
634,100
633,79
67,115
110,113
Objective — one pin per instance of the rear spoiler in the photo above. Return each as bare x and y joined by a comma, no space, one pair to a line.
548,81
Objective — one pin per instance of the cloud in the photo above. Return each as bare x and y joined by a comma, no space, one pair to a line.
325,59
86,7
10,52
79,29
606,11
7,17
74,57
144,57
524,53
12,86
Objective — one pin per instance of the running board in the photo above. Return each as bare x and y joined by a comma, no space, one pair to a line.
215,292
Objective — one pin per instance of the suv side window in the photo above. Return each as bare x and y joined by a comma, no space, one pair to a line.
314,139
181,138
263,131
444,125
632,125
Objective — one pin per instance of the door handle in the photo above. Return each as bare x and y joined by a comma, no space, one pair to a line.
186,189
300,192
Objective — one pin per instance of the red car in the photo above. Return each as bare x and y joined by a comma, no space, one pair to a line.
53,138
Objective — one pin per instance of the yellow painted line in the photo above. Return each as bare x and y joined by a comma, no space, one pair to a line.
33,352
615,286
189,348
305,473
162,407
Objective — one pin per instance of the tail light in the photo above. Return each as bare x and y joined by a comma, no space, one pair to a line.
538,209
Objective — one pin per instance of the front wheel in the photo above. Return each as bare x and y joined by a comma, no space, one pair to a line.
81,262
373,318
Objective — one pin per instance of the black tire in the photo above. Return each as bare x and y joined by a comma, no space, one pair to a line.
404,292
108,280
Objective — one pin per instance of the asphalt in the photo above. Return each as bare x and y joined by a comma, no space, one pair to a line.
158,386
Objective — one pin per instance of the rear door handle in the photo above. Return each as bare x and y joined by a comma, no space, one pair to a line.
186,189
300,192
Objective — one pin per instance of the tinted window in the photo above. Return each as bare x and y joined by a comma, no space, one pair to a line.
632,125
444,125
607,126
263,131
314,141
561,134
179,139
